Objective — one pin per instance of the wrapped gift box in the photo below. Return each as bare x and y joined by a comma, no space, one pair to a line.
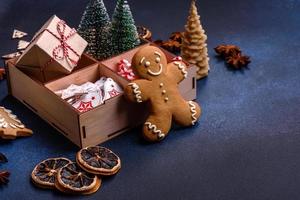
100,124
54,48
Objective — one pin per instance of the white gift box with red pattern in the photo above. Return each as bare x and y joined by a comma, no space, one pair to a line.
55,47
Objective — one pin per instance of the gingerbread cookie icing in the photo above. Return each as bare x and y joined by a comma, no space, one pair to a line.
154,129
136,91
159,86
10,126
193,111
182,68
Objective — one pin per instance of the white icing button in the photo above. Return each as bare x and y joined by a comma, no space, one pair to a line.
166,99
161,85
157,60
147,64
164,91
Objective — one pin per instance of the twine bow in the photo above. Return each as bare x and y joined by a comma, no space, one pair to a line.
64,47
61,51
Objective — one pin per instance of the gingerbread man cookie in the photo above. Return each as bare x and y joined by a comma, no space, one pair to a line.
159,85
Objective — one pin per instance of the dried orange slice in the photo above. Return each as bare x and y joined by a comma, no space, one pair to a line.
98,160
44,174
74,180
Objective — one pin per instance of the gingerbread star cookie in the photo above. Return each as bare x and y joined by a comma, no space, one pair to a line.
10,126
158,85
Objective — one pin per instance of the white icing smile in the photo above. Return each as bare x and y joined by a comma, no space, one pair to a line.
156,73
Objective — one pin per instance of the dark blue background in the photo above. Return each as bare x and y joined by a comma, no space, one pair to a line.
247,144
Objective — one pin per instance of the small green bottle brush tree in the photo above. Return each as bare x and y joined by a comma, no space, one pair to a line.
95,29
124,32
105,38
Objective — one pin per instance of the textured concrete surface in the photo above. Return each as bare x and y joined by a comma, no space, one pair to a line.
246,145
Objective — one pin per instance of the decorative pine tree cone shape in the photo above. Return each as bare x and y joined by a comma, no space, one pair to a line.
194,47
10,126
124,32
95,27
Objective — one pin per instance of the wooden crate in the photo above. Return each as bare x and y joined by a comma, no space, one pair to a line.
102,123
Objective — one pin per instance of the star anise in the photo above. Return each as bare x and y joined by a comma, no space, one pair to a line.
3,158
4,177
170,45
158,42
176,36
238,61
2,73
227,50
173,44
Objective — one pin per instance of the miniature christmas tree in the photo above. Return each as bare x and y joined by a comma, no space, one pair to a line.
124,32
194,47
95,29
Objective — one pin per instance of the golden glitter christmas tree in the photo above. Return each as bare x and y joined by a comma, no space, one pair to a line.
194,47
